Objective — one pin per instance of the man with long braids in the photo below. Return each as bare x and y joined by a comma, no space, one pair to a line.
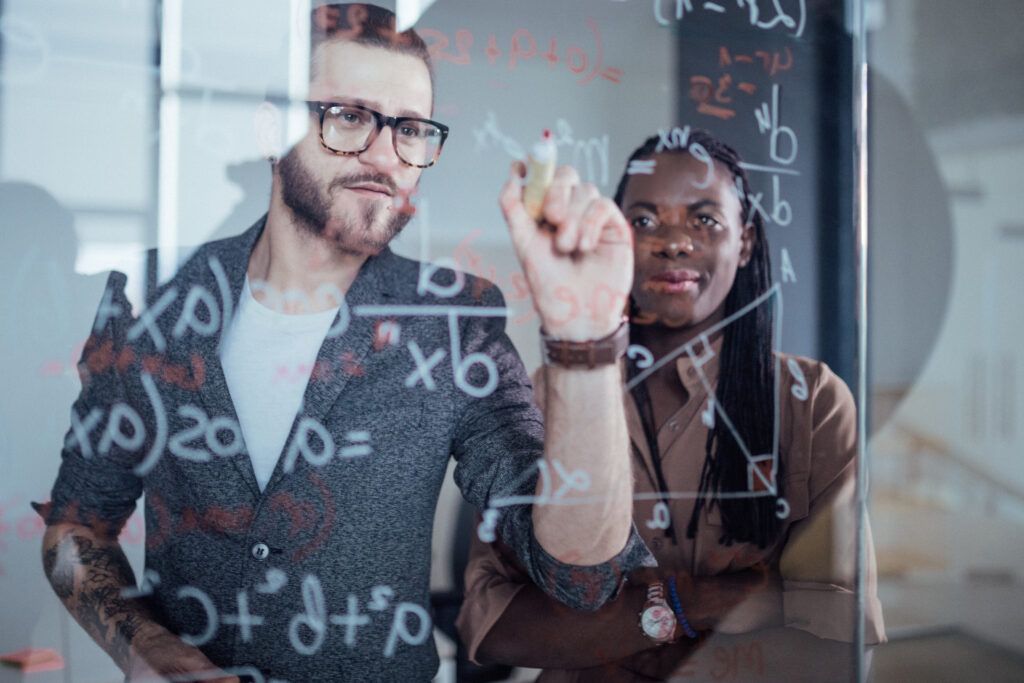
756,557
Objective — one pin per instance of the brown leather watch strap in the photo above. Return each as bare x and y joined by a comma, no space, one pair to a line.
589,354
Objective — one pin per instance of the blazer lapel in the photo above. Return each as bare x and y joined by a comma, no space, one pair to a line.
344,351
224,277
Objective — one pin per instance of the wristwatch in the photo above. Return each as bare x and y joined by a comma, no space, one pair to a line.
657,620
588,354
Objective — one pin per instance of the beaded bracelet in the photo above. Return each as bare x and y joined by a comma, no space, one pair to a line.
677,607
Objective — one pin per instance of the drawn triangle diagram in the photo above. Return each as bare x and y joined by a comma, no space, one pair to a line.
762,468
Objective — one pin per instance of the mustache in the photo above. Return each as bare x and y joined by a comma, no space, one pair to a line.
341,182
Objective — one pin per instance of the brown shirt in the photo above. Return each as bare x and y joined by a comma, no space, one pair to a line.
815,556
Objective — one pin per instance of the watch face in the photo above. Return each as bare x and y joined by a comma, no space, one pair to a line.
657,622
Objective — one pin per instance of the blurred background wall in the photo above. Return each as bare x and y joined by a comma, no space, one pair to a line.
947,253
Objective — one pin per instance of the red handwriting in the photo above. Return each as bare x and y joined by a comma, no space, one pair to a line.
386,333
517,289
715,96
404,202
308,520
727,663
759,483
26,527
793,23
55,366
327,20
703,91
469,260
99,359
772,62
730,662
523,46
321,370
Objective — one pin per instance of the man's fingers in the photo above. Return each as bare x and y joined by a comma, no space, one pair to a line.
582,218
598,213
568,236
616,230
559,195
520,225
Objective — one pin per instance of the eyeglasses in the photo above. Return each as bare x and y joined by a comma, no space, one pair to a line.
350,129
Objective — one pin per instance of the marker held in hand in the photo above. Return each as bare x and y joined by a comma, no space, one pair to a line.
540,172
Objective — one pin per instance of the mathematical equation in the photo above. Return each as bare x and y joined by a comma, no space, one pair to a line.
522,47
312,623
202,315
762,469
306,519
715,98
767,15
207,437
576,480
588,155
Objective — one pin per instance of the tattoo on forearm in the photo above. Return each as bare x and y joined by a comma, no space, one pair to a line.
61,575
89,577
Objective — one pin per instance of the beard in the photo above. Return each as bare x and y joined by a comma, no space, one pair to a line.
363,230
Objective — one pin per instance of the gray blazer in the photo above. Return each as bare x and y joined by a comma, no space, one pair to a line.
324,574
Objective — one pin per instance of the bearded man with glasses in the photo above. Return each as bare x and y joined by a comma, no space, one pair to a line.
289,523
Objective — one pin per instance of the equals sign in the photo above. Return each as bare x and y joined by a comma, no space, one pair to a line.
358,445
641,167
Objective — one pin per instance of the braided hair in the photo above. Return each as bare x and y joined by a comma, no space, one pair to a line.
746,377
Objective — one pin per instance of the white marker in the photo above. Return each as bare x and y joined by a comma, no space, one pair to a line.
540,172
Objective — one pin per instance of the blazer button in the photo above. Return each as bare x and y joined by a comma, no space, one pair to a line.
260,551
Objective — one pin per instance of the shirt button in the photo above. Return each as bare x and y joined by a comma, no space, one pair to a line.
656,543
260,551
673,425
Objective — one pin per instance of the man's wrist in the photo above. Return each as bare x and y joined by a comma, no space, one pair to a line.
580,331
589,353
149,632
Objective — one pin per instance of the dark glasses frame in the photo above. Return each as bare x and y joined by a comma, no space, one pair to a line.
320,108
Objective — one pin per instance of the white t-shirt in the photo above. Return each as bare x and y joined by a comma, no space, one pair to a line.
267,358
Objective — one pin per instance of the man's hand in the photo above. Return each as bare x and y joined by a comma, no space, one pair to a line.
89,572
578,262
159,655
